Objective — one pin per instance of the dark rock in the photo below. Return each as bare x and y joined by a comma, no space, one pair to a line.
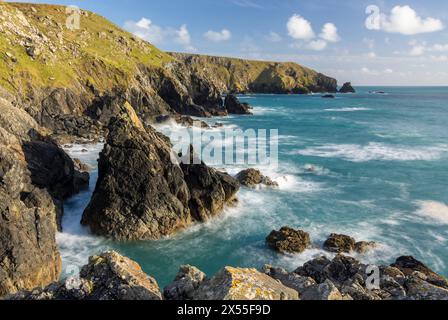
292,280
234,106
408,265
347,88
185,284
288,240
252,177
340,243
328,96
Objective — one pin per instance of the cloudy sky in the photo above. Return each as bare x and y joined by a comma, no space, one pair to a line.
384,42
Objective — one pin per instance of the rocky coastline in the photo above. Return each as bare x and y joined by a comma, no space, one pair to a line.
141,194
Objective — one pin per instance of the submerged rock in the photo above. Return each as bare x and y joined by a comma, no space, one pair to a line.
347,88
288,240
252,178
108,276
243,284
234,106
340,243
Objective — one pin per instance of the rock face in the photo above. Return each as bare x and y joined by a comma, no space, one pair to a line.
234,106
109,276
340,243
141,194
288,240
243,284
347,88
186,283
252,178
28,252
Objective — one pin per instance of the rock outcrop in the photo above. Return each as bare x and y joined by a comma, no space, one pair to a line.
29,255
252,178
243,284
108,276
234,106
186,283
340,243
142,194
288,240
347,88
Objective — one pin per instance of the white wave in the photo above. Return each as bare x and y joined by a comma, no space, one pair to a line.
348,109
434,210
374,151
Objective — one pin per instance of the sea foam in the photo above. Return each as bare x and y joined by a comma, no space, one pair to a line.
434,210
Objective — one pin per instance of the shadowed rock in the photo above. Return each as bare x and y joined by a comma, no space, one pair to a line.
185,284
288,240
347,88
340,243
252,178
234,106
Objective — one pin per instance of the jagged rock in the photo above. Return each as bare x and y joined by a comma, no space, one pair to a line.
185,284
288,240
142,193
291,280
340,243
29,255
108,276
420,289
408,265
234,106
347,88
325,291
252,177
243,284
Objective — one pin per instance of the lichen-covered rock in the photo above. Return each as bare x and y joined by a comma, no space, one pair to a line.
109,276
234,106
185,284
340,243
252,178
347,88
243,284
288,240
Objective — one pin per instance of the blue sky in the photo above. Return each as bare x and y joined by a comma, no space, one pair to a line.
405,44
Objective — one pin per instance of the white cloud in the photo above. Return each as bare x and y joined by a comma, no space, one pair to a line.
218,36
371,55
374,72
417,50
317,45
274,37
183,37
300,28
405,20
330,33
145,29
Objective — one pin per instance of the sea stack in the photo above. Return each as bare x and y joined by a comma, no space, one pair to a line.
347,88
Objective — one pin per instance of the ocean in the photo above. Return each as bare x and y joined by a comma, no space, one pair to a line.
373,166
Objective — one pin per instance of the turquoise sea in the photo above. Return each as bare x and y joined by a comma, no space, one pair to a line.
373,166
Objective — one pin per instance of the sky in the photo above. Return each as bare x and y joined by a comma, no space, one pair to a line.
367,42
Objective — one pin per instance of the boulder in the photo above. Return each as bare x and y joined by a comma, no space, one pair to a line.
288,240
252,178
234,106
325,291
290,280
185,284
243,284
340,243
108,276
347,88
408,265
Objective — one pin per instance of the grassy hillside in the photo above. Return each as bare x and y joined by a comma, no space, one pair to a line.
37,48
231,74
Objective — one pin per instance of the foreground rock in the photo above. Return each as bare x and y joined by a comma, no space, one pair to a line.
109,276
186,283
142,194
234,106
252,178
29,255
288,240
243,284
340,243
347,88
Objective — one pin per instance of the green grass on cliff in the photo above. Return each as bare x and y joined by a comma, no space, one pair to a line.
99,51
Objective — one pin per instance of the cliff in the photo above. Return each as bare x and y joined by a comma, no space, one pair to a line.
248,76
